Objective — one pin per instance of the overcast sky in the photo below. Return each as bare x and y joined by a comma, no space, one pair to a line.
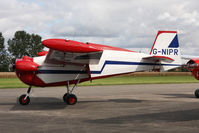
121,23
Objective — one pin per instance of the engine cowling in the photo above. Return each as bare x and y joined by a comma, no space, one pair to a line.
25,69
193,66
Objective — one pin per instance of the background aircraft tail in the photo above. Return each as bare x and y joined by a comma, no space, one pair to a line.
166,45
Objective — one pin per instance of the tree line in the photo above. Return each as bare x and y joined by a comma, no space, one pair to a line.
22,44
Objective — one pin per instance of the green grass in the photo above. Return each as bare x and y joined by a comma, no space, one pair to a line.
120,80
11,83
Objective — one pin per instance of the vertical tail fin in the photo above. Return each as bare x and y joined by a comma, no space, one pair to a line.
166,44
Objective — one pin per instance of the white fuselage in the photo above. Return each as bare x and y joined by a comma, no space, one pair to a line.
111,63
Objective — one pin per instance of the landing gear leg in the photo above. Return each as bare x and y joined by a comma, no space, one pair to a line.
197,93
25,99
70,98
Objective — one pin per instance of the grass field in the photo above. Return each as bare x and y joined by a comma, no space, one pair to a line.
120,80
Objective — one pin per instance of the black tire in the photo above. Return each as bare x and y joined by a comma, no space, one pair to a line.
70,99
197,93
65,97
22,101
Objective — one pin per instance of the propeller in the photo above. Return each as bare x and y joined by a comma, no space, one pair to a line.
12,67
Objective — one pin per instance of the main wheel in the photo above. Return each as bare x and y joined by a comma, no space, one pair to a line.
70,99
197,93
24,101
65,97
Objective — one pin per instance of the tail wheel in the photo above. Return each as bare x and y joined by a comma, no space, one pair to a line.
24,101
197,93
70,99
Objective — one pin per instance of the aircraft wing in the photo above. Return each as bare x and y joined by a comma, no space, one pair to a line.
71,52
68,59
69,46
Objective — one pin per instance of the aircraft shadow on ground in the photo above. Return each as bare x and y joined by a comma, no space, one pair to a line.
170,116
49,103
178,95
115,100
41,103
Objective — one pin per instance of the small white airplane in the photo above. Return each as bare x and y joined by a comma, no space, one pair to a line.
71,62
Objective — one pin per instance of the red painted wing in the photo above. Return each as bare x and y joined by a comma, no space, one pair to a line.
69,46
78,47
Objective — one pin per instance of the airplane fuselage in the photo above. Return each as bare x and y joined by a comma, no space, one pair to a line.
111,63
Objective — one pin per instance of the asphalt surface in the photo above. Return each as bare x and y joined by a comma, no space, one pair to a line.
103,109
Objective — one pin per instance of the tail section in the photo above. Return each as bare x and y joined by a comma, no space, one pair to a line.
166,44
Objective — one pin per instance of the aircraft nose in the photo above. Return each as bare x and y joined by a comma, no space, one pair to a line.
26,64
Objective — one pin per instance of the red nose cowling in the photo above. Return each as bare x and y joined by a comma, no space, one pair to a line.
26,69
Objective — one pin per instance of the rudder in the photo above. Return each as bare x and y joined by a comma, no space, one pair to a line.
166,44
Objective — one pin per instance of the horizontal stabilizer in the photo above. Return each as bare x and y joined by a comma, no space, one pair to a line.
159,58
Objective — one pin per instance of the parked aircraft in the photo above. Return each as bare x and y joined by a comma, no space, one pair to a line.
193,66
70,62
